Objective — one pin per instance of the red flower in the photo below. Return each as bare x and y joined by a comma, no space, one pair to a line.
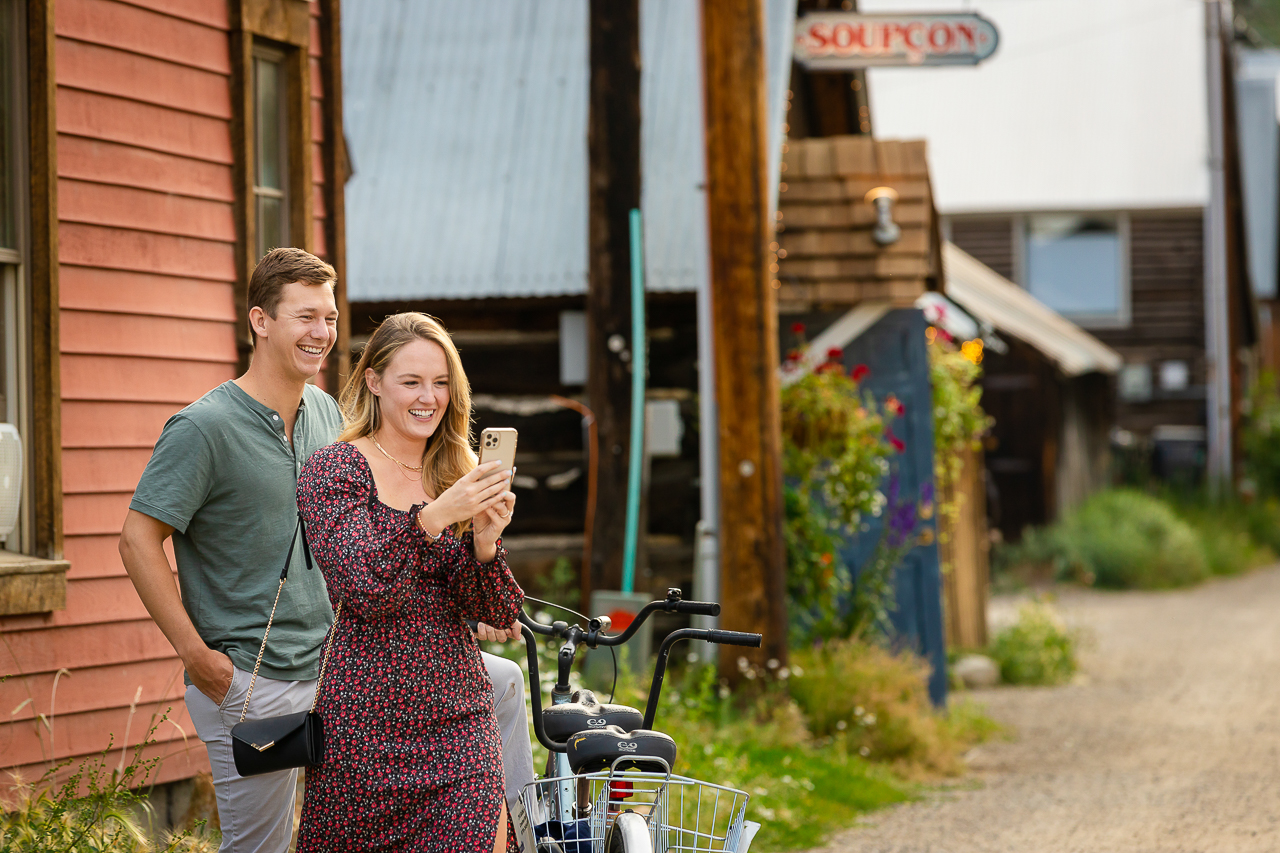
896,442
859,372
793,356
835,354
945,335
797,328
894,405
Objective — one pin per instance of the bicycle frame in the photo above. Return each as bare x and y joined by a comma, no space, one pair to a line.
593,636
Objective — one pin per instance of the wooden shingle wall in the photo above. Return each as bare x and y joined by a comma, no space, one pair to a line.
826,252
148,267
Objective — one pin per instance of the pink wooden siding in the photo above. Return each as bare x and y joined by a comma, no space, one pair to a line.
147,268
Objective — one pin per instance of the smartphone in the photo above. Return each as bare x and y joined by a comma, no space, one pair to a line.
498,444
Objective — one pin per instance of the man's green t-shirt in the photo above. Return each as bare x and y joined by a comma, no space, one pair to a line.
225,477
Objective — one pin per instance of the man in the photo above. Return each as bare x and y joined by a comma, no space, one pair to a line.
222,482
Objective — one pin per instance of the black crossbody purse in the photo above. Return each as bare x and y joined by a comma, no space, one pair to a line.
291,740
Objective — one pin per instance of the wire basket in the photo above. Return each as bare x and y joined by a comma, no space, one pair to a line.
683,815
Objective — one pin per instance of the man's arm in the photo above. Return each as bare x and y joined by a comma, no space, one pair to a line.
142,549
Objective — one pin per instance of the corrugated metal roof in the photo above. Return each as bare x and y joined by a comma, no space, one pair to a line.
467,125
673,167
992,298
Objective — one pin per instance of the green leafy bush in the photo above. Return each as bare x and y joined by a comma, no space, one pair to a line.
1128,539
1118,538
1037,649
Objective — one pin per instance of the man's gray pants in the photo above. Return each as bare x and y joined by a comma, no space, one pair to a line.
256,812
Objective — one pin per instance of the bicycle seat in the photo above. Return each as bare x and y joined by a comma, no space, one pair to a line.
583,713
597,749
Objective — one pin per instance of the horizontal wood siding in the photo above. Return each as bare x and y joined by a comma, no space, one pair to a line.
147,263
987,238
1166,274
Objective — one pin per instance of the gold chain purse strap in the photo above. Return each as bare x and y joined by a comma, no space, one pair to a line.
284,575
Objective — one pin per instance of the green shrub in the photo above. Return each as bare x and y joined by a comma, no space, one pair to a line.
1128,539
1121,539
1037,649
879,703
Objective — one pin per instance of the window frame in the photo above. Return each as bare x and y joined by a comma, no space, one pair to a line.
264,52
1122,318
275,28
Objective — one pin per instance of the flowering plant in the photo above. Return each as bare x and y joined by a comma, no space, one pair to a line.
837,443
958,419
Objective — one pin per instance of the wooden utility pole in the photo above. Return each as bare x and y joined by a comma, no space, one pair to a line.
613,146
745,322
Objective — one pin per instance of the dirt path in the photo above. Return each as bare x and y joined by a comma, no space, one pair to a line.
1169,742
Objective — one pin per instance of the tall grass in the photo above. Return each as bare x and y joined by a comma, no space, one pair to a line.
94,810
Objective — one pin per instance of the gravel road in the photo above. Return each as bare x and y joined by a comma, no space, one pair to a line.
1169,741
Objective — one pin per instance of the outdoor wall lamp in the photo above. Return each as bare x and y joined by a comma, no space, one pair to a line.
886,231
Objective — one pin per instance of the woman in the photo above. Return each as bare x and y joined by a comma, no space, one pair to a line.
405,527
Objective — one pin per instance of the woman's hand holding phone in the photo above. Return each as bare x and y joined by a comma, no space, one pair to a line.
471,497
489,524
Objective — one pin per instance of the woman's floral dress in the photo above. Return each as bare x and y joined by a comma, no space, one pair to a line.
413,760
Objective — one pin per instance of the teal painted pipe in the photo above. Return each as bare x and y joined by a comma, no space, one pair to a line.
639,361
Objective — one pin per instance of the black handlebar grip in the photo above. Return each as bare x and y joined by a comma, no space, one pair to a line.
734,638
698,608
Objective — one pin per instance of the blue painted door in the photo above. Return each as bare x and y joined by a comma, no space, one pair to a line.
895,351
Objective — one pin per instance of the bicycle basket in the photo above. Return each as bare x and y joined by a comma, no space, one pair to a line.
573,814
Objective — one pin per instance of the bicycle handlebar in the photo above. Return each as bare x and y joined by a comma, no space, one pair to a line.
593,636
733,638
698,608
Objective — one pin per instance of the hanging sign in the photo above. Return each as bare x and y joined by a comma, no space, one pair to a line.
845,40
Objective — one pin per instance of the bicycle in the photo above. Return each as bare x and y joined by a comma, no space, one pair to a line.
609,787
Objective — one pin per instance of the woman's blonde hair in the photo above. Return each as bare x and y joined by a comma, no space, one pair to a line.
448,455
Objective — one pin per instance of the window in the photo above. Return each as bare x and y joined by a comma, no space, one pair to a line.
13,292
1077,265
270,149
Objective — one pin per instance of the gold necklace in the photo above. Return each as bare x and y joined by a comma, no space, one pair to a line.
417,468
